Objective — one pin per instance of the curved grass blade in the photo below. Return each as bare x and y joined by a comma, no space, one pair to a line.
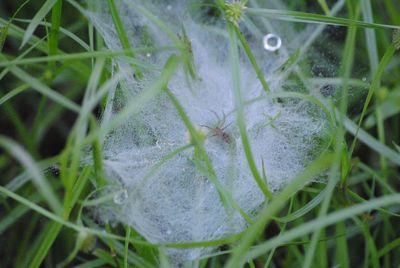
297,16
239,255
329,219
303,210
43,11
42,185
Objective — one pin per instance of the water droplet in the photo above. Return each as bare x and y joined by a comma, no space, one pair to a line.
169,7
169,232
364,79
148,55
120,197
272,42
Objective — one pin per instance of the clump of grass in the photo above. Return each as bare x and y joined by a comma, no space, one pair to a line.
60,74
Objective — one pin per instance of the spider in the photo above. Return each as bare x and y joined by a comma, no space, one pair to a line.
219,129
54,170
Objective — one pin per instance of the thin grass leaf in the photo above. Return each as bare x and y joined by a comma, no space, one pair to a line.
370,36
15,214
374,86
78,228
44,89
91,264
4,29
252,59
64,31
330,219
395,244
234,54
84,55
342,252
238,256
55,27
297,16
39,16
42,185
14,92
324,7
371,142
122,34
303,210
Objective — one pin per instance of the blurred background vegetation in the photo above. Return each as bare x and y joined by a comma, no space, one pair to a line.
42,127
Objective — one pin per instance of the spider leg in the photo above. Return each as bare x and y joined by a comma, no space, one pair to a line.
216,115
225,127
205,126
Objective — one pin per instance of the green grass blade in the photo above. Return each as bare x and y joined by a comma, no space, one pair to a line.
234,54
324,7
92,264
78,228
370,36
252,59
55,27
239,255
15,214
4,29
303,210
50,234
44,89
395,244
122,34
371,142
44,10
63,31
42,185
373,88
14,92
332,218
342,251
297,16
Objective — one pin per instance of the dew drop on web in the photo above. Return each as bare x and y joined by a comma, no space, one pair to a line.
272,42
120,197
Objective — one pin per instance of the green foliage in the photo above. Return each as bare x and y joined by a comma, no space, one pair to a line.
54,77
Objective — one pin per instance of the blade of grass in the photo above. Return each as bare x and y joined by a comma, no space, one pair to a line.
42,185
43,89
14,92
374,86
332,218
57,219
122,34
371,142
342,252
347,65
65,32
15,214
303,210
55,28
39,16
324,7
239,254
4,29
252,59
234,54
126,246
297,16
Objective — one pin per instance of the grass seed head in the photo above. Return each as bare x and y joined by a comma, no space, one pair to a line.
234,11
